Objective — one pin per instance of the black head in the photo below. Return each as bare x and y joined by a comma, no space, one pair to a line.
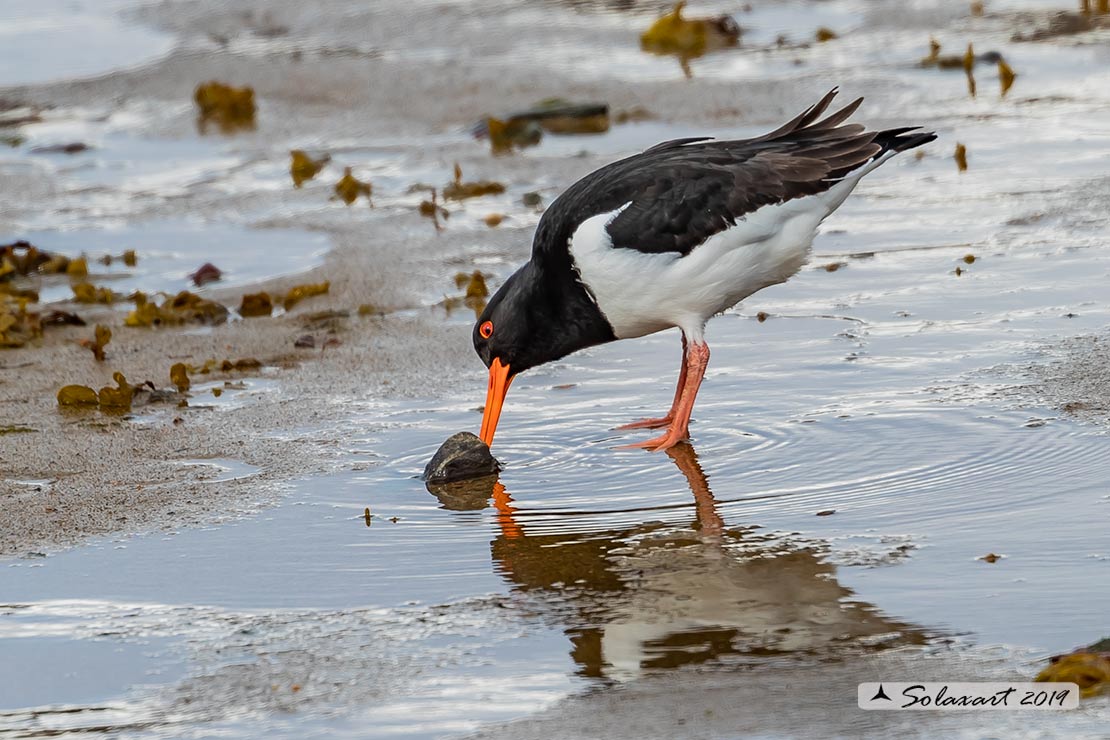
508,327
537,316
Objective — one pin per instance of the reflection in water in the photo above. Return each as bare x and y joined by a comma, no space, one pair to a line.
657,596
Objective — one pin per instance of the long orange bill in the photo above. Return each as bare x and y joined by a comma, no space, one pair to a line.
499,381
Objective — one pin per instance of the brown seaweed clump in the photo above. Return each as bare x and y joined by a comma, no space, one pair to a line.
961,157
17,325
230,108
475,293
459,190
349,188
433,210
21,259
1088,668
303,168
689,37
110,400
298,293
552,115
183,308
256,304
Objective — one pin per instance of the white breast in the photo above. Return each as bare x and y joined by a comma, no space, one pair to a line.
642,293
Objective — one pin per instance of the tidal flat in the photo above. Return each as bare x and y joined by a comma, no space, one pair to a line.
928,391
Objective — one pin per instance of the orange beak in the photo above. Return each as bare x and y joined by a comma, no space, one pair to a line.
499,381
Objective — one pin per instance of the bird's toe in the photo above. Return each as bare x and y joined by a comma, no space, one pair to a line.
646,424
662,442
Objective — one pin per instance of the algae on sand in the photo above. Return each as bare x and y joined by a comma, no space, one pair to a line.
298,293
256,304
183,308
349,188
101,336
303,168
179,376
230,108
459,190
17,325
689,38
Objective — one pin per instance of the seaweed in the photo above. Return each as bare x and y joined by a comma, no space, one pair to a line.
230,108
110,400
1088,668
256,304
1006,76
183,308
459,190
77,395
349,188
303,168
179,376
17,325
689,38
101,336
88,293
431,209
300,292
961,157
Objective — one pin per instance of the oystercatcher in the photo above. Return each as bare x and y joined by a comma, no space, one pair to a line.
671,237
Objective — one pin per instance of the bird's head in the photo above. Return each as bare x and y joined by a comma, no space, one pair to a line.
507,336
538,315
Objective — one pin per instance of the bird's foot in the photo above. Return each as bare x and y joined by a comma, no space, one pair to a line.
662,442
647,423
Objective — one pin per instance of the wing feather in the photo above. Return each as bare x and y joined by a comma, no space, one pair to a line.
679,193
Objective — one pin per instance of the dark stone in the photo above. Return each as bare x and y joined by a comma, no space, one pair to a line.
74,148
206,273
462,456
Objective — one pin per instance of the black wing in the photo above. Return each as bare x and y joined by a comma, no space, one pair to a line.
680,193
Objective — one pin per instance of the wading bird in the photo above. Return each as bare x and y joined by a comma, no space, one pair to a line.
671,237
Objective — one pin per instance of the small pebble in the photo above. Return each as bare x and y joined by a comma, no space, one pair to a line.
463,455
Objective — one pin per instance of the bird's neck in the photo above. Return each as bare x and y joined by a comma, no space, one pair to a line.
570,316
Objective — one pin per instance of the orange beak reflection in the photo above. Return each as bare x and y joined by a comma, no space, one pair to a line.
499,381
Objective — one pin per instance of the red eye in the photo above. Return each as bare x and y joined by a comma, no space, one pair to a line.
486,329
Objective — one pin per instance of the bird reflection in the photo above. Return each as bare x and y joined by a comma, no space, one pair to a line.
658,596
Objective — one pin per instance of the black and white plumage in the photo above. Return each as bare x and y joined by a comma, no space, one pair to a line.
673,236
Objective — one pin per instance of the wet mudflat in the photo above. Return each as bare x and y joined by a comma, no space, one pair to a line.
854,458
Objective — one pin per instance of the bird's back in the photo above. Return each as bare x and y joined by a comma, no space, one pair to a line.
677,194
688,228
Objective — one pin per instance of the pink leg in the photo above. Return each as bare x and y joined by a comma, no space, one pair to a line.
664,421
697,359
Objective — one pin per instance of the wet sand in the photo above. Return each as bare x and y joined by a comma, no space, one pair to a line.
816,700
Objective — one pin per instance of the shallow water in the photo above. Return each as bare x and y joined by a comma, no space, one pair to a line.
49,40
866,392
171,250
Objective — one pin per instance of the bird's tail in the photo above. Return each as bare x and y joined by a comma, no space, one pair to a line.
902,139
